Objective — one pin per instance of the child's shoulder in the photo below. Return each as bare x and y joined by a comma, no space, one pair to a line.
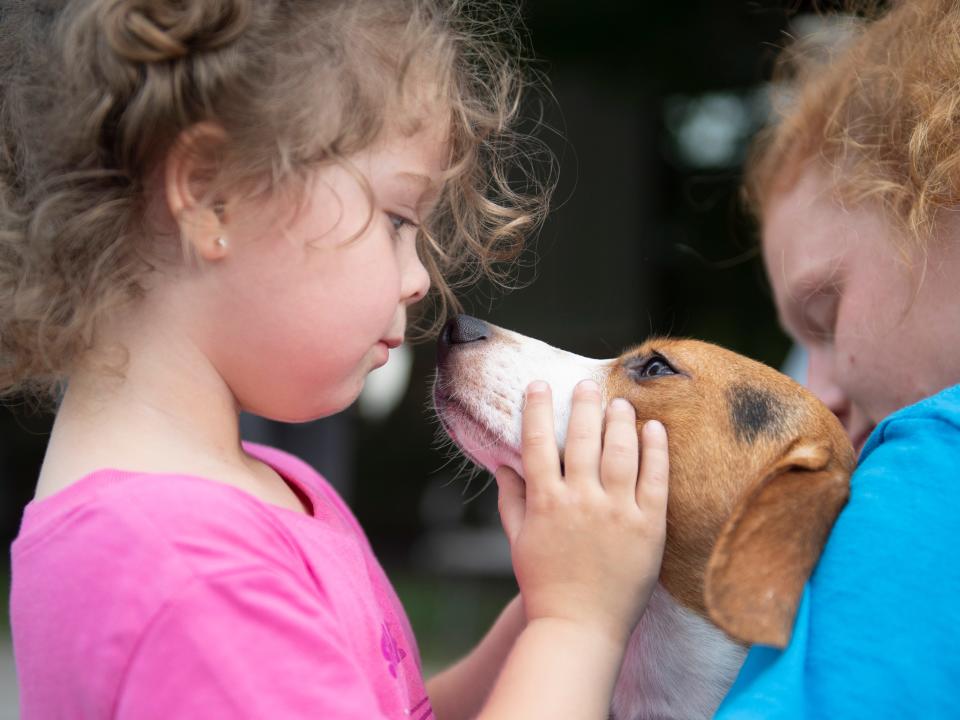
944,405
189,523
911,457
328,506
932,422
182,523
120,559
144,535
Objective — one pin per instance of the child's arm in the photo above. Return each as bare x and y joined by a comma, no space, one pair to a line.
586,550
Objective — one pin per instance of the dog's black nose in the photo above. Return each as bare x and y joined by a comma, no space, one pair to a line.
460,330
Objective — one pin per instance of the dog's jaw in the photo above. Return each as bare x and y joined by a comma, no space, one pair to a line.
483,446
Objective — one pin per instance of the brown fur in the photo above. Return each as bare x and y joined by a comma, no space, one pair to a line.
753,494
759,468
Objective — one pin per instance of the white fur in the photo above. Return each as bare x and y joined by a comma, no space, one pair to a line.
502,370
677,664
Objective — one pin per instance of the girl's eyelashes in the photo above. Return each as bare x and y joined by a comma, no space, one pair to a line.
399,222
818,316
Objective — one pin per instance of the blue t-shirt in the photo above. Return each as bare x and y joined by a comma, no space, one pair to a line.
877,633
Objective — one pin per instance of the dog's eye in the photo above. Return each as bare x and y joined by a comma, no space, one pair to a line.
653,366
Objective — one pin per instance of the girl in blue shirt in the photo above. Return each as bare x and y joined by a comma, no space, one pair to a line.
855,187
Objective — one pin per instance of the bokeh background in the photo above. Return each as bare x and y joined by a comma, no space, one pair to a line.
653,106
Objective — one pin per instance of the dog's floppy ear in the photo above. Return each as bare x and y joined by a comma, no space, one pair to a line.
770,543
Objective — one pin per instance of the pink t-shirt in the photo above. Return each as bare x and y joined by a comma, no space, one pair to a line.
171,596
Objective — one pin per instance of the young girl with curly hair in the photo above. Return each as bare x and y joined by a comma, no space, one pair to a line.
856,187
225,205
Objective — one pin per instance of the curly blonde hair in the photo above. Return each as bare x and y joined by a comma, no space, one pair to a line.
94,92
878,105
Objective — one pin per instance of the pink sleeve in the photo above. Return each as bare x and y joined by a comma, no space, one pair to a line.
245,644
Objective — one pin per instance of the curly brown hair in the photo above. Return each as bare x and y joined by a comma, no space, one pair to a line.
878,104
94,92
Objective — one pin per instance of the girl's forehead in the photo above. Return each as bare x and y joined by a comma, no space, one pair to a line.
796,218
806,235
418,157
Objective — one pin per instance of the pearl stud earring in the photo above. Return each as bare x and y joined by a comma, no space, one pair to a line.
221,242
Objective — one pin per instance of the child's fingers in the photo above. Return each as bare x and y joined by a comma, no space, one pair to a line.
582,455
652,490
538,451
511,501
621,451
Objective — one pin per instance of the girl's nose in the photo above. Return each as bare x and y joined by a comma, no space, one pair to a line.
822,382
416,279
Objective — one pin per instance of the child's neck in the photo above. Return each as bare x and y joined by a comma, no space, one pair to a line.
169,413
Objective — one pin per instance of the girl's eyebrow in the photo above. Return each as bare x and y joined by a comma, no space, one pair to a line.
418,178
814,279
424,183
427,188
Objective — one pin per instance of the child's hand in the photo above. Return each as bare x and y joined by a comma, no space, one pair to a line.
587,546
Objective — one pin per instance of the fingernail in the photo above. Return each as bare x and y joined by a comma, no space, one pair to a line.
588,386
619,404
655,426
537,386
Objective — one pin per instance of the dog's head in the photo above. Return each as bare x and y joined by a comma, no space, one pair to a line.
759,468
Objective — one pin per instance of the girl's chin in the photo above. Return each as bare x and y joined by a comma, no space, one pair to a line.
319,408
381,353
340,394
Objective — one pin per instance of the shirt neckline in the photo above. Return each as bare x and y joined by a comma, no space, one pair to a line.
86,483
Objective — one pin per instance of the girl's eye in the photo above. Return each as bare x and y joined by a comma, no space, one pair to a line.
819,314
653,366
399,222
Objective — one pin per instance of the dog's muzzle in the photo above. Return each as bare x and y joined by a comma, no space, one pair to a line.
482,372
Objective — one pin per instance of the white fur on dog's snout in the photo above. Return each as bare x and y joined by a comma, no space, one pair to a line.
480,396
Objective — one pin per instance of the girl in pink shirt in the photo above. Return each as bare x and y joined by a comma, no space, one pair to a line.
225,205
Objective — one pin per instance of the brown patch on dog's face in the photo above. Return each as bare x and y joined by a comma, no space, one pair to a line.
728,418
759,467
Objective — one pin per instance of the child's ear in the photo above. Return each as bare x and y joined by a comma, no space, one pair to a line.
190,166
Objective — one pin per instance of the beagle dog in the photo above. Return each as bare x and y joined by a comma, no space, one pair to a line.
759,470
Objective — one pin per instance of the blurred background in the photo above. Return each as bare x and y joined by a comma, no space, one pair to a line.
654,105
